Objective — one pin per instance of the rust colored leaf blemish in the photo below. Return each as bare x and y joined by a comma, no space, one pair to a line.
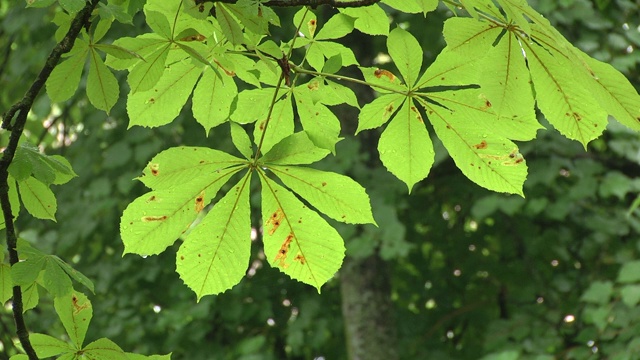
381,72
300,258
324,183
262,126
481,145
274,221
76,305
155,169
154,218
577,116
181,257
152,100
314,85
418,116
519,160
284,249
197,37
200,202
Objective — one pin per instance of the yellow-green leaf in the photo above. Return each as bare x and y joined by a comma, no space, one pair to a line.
102,87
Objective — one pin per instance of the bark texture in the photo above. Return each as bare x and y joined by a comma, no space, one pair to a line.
367,309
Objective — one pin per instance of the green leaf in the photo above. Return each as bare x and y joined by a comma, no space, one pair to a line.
104,349
630,272
615,93
102,87
26,272
333,64
252,105
337,27
30,297
370,20
568,105
335,195
486,158
241,140
507,90
38,199
47,346
72,6
229,25
117,52
277,127
65,78
161,104
413,6
55,280
382,80
147,73
143,45
155,220
296,239
405,146
132,356
402,49
215,255
158,22
598,292
630,295
14,199
212,99
179,165
75,312
320,124
62,167
104,24
309,22
73,273
379,111
6,284
294,150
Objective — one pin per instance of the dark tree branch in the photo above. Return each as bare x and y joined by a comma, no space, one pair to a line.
20,110
312,3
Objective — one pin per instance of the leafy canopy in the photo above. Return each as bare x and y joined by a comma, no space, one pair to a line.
479,96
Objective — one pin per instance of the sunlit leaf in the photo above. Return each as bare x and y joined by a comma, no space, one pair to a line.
215,255
212,99
295,149
75,311
269,131
335,195
296,239
102,87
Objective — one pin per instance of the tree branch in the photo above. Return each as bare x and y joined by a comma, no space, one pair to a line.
312,3
20,110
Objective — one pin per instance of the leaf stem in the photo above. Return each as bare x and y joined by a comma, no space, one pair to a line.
19,110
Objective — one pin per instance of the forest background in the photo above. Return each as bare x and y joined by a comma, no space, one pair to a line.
452,271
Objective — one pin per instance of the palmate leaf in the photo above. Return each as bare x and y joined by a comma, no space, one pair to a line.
295,149
38,199
335,195
48,346
75,311
405,146
163,102
146,73
296,239
212,99
102,87
564,101
178,165
402,49
269,132
379,111
65,78
215,255
489,160
320,123
241,140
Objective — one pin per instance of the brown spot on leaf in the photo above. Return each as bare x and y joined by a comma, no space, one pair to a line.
381,72
155,169
197,37
200,202
152,198
417,113
152,100
261,126
313,85
519,160
154,218
274,221
284,249
481,145
577,116
181,257
388,110
324,183
300,258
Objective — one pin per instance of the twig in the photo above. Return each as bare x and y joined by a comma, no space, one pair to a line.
20,110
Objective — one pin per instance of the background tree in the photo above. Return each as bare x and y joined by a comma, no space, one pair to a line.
470,272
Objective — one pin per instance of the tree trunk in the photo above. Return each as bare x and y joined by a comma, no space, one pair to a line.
367,309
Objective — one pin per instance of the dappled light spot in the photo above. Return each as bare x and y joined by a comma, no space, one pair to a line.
274,221
154,218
